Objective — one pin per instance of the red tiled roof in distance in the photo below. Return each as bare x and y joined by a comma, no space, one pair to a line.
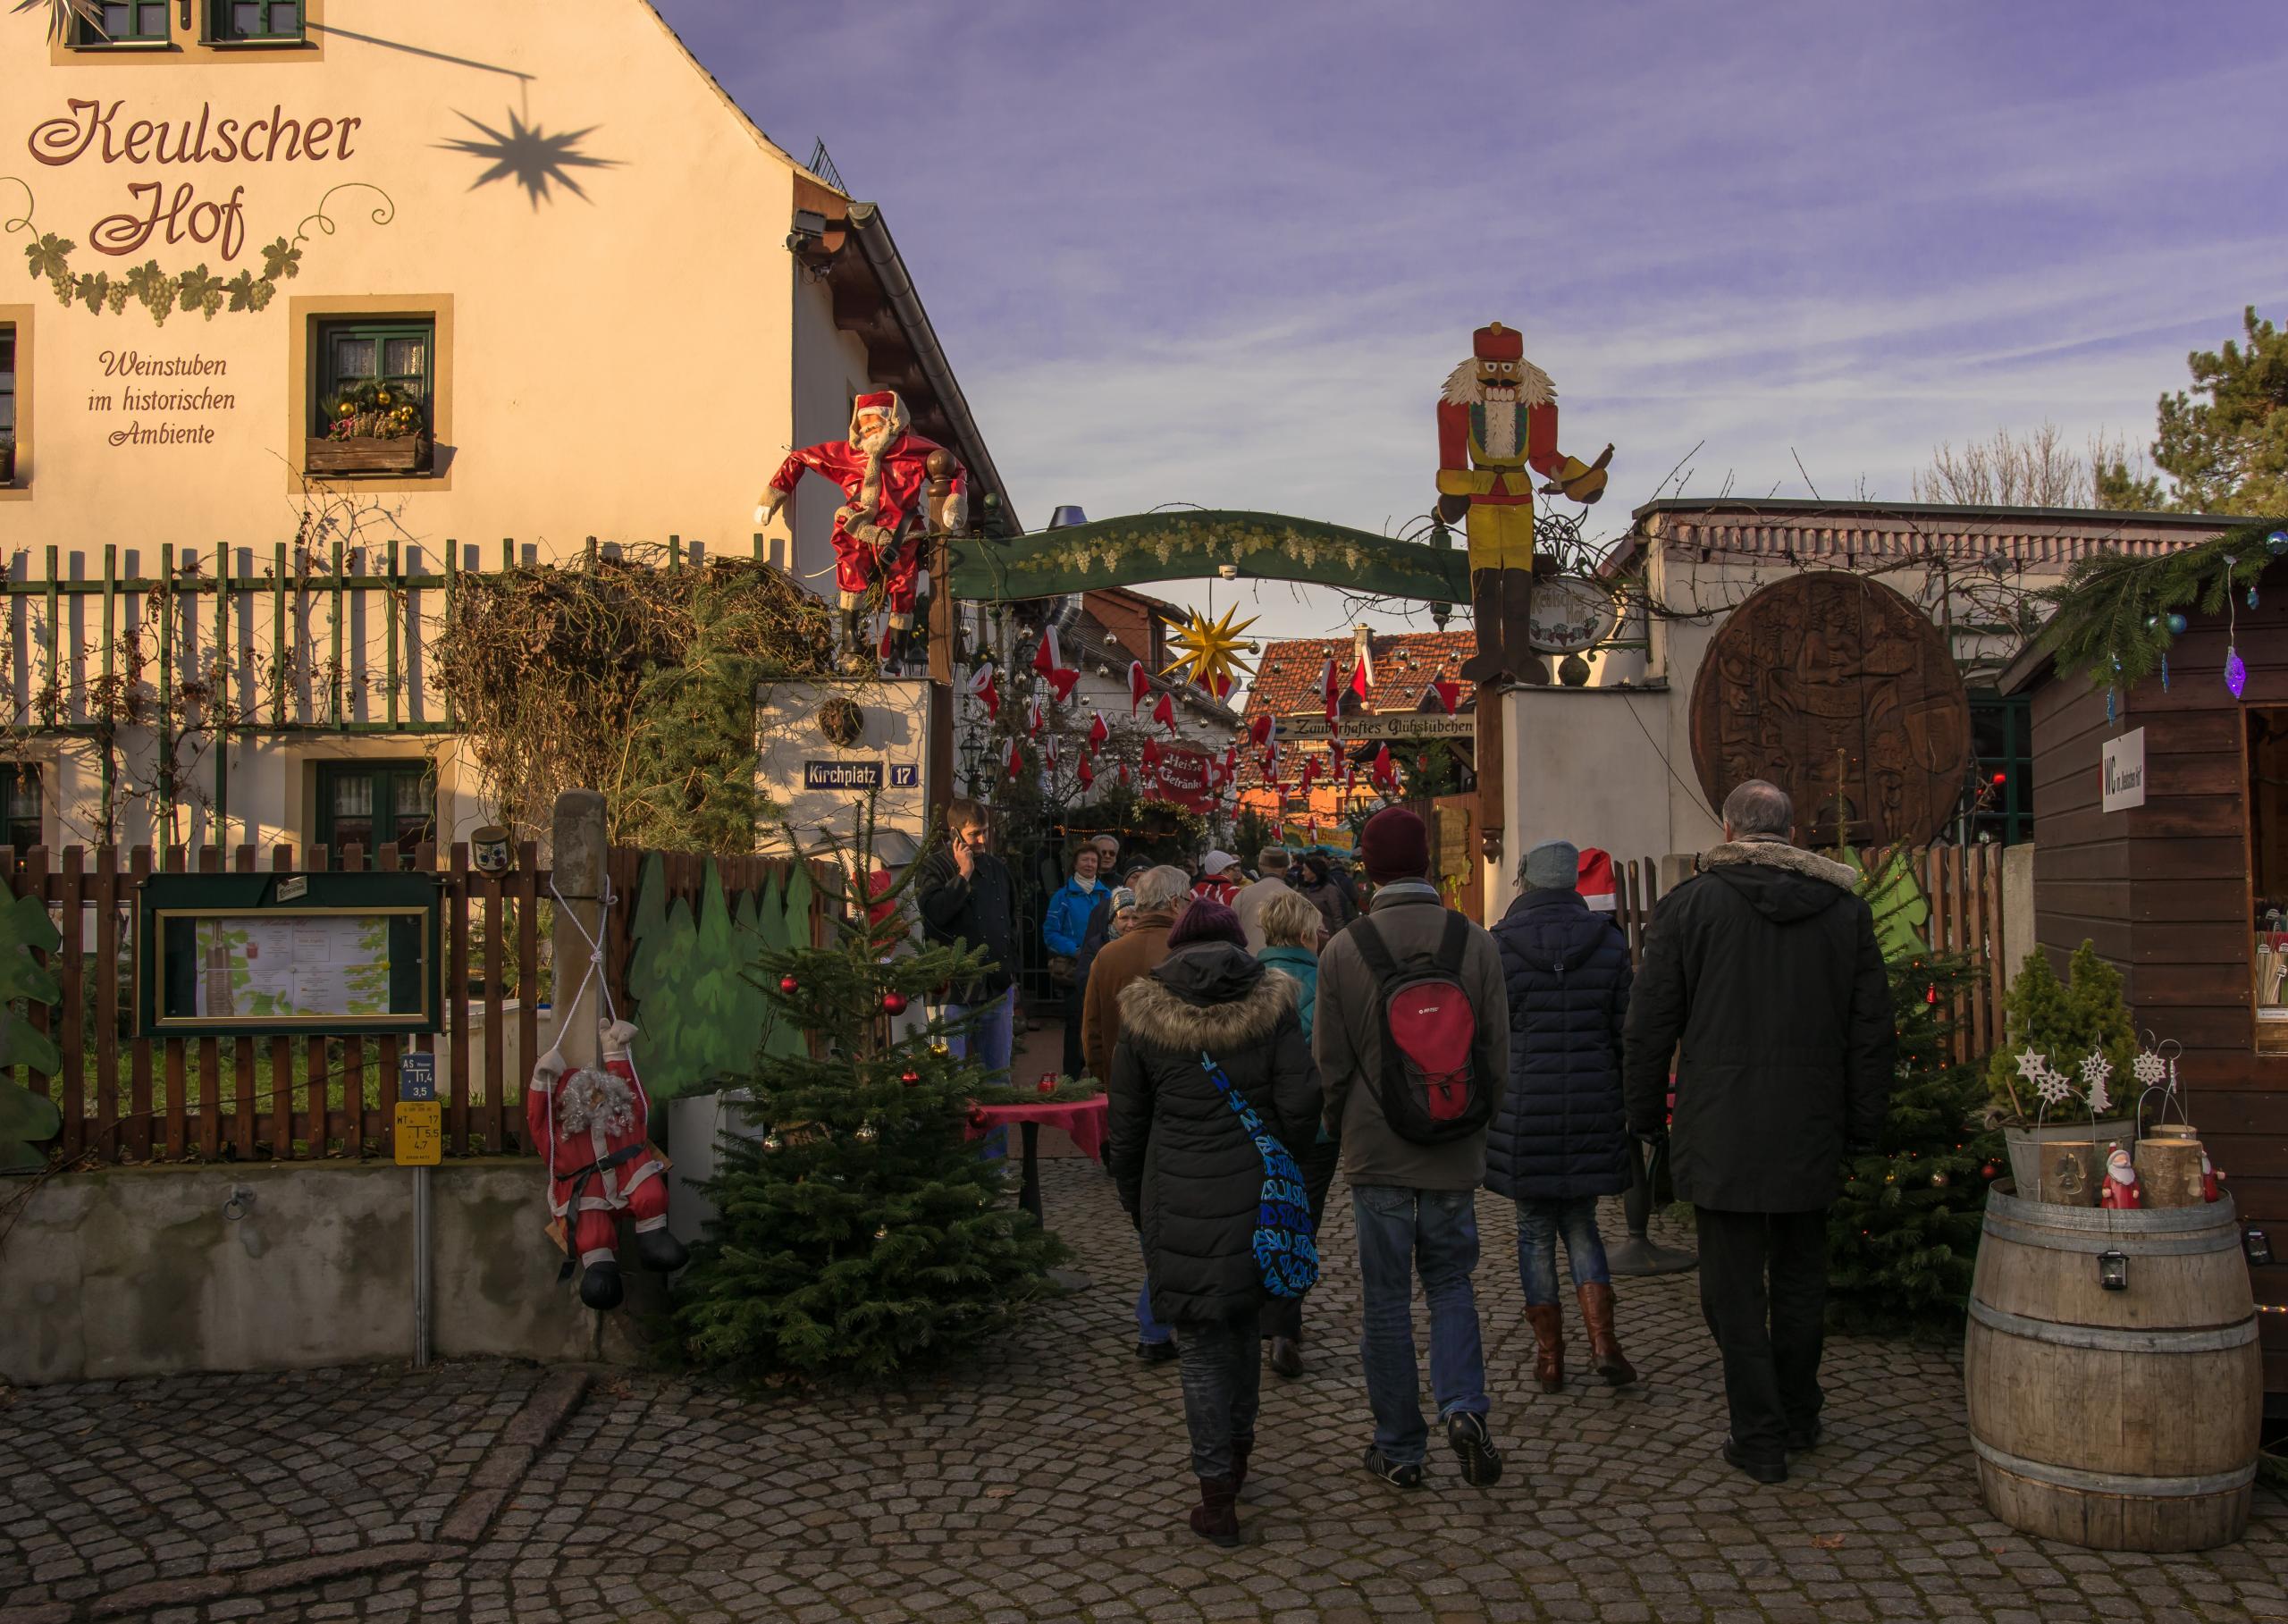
1287,676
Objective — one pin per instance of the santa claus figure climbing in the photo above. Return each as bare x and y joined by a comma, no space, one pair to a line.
885,470
1497,419
591,1126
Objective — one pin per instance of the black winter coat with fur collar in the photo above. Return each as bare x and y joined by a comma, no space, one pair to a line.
1188,1173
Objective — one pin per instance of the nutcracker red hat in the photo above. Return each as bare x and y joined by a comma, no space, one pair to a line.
1496,342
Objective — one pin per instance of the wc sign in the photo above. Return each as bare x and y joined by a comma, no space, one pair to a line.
2122,764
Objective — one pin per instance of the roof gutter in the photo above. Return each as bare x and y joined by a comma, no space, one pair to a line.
881,253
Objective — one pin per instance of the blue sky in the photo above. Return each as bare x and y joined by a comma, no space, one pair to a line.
1224,254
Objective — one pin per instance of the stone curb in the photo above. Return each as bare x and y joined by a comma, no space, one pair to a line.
495,1478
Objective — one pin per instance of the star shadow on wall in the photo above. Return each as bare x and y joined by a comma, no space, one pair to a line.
533,159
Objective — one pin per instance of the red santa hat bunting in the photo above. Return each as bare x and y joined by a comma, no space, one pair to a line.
1049,749
1121,767
1099,735
1088,774
1164,713
1032,717
1263,729
1382,772
985,691
1310,770
1139,684
1446,696
1048,660
1596,883
1362,673
1331,696
1016,760
1152,752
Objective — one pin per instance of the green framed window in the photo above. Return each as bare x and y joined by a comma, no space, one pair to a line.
1999,799
19,815
358,360
376,803
125,22
254,21
7,403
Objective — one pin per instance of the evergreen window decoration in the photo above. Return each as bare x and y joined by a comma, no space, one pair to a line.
125,22
362,358
254,21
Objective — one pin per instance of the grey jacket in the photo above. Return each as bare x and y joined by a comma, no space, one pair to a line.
1347,1042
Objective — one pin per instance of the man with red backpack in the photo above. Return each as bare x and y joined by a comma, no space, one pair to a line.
1412,1041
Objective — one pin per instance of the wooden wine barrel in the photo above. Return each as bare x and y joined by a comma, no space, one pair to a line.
2122,1421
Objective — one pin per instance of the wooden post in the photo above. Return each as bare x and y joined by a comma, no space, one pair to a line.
1490,816
941,465
578,867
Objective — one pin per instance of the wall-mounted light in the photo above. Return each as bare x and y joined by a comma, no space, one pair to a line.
810,229
2113,1271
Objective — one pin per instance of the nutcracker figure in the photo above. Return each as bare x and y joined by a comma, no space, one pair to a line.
592,1127
885,472
1497,420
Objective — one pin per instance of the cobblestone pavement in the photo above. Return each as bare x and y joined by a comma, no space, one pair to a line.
1045,1480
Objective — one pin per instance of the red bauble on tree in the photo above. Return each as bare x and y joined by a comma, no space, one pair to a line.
788,985
893,1003
910,1078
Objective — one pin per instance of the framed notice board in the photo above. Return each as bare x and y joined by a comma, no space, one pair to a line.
342,953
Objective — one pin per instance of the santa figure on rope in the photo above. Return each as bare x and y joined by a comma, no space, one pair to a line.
593,1128
885,471
1497,426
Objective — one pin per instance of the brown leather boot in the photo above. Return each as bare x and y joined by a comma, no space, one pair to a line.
1491,662
1548,1321
1216,1517
1604,1347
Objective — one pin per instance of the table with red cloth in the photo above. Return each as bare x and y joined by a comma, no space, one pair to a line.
1084,1119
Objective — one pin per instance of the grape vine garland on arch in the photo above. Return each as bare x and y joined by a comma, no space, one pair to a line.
164,292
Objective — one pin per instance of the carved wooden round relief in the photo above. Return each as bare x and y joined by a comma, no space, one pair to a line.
1844,694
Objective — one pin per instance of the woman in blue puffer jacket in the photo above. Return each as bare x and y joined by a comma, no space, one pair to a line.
1064,928
1561,1142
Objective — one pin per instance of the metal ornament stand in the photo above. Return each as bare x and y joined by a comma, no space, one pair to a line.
1640,1254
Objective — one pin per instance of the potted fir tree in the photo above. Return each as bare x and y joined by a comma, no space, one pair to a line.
2059,1032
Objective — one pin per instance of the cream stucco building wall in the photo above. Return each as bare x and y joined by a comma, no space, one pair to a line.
624,346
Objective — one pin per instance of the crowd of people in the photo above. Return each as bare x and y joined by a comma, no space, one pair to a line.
1255,1032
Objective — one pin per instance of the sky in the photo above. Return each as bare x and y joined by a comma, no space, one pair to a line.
1224,255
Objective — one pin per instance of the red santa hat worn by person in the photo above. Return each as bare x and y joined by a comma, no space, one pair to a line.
1596,882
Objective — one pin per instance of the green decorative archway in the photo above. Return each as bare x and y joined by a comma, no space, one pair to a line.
1199,541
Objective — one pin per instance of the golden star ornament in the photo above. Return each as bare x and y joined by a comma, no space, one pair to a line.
1207,650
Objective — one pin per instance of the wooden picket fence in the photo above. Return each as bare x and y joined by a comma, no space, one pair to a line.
1961,884
313,1096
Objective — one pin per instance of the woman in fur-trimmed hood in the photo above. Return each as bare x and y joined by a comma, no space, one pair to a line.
1191,1178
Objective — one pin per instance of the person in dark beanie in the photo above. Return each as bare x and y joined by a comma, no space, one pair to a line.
1190,1175
1560,1140
1328,894
1413,1135
1765,967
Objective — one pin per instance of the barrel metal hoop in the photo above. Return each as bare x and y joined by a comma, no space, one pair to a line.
2137,1245
2117,1483
2139,1223
2109,1340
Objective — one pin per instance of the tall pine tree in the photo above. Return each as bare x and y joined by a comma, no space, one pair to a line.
859,1235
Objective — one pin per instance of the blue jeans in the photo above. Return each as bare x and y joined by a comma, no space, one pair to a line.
1400,1230
1539,1224
991,1042
1148,1329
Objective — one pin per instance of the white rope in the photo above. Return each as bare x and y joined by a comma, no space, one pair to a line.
603,989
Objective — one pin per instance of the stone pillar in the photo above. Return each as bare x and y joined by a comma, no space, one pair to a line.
578,865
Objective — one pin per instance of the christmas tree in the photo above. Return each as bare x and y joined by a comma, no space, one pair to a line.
859,1235
1903,1236
2063,1021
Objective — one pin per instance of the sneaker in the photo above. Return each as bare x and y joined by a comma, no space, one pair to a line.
1805,1437
1399,1476
1474,1445
1157,1353
1762,1471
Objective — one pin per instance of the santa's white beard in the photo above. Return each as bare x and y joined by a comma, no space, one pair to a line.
1501,421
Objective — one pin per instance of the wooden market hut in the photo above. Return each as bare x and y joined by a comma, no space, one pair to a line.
2178,890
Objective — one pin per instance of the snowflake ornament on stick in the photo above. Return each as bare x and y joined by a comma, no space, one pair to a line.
2150,1070
2052,1084
2097,1071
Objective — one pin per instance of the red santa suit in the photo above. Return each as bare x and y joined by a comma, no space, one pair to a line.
591,1126
884,480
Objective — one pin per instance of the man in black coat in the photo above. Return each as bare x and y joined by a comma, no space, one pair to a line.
1765,967
966,897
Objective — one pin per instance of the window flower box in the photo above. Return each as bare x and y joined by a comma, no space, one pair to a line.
366,454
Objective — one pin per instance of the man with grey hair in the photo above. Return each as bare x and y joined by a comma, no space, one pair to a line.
1761,976
1162,895
1271,863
